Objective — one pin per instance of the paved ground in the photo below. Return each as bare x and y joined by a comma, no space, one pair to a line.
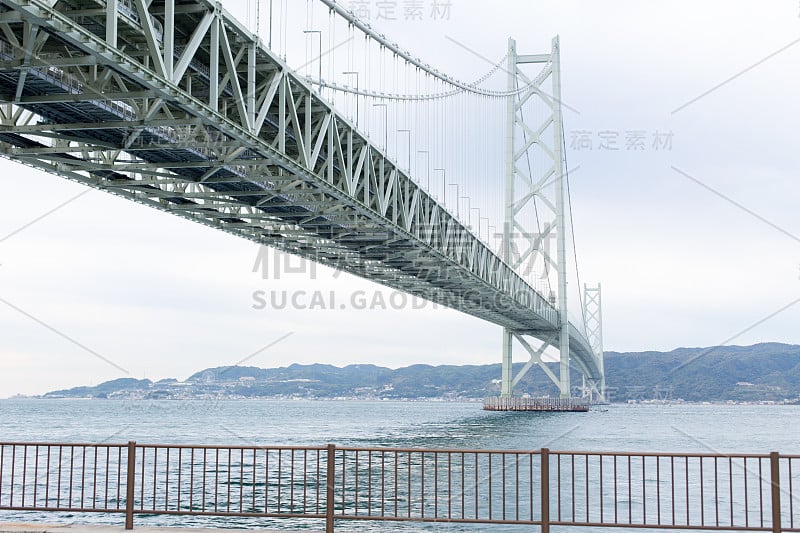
76,528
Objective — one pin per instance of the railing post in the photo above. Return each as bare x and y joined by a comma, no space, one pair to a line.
130,485
544,456
329,494
775,474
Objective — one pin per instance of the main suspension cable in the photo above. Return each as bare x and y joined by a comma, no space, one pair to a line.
393,47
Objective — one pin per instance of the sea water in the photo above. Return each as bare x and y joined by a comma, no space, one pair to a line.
411,424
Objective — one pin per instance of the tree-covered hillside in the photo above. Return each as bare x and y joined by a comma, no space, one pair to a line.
762,372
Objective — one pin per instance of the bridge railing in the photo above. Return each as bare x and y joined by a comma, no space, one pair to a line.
544,488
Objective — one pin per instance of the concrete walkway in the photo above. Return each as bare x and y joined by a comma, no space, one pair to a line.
77,528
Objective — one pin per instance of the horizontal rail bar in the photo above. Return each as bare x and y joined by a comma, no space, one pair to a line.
353,448
65,509
658,454
438,450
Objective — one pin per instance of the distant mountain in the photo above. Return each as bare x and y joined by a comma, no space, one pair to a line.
763,372
769,371
104,389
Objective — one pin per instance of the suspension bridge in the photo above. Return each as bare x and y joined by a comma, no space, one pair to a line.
362,156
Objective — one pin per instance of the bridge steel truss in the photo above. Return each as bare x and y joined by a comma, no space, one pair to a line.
175,105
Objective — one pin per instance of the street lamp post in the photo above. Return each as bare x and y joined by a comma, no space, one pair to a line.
457,197
427,168
479,219
409,148
444,183
319,57
469,203
356,73
385,126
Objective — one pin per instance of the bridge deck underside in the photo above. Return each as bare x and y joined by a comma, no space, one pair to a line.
272,162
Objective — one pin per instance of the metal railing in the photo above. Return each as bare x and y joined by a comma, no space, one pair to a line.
542,488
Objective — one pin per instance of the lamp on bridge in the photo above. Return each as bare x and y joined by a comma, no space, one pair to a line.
444,183
479,219
356,74
427,168
409,148
469,204
319,57
385,125
457,196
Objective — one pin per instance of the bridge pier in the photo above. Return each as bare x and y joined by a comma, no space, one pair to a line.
507,386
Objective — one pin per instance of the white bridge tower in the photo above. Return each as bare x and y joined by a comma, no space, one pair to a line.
535,211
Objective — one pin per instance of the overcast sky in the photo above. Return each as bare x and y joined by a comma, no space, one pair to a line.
104,288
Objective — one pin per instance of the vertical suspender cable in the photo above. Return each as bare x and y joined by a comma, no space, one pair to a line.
331,46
